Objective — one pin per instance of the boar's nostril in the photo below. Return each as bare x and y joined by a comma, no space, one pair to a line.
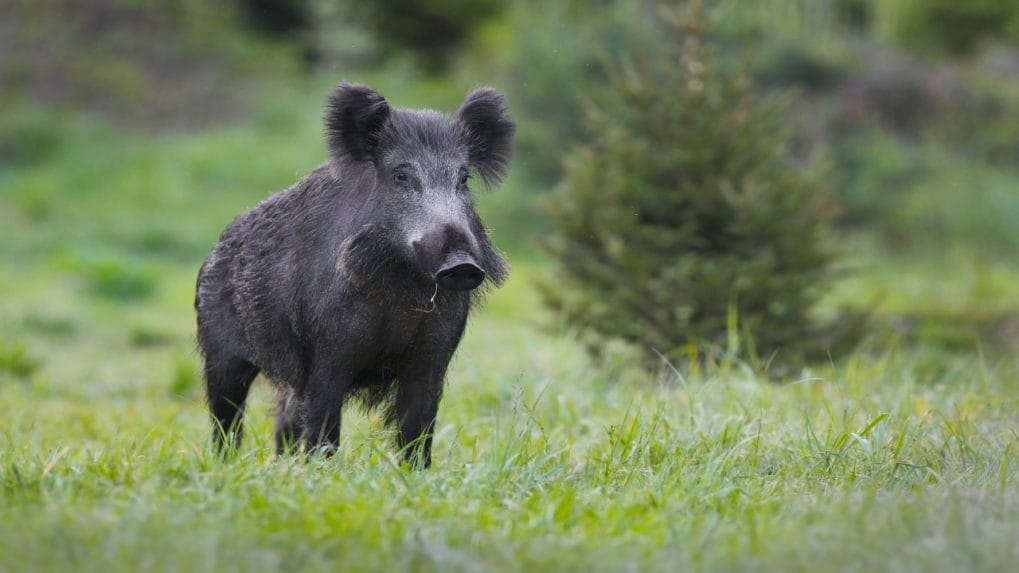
465,276
460,273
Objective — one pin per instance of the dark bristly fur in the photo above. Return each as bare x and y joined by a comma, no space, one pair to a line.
331,288
354,117
485,115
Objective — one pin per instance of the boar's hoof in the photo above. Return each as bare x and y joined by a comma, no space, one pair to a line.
460,272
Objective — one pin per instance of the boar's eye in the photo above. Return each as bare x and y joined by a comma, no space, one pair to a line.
400,176
464,177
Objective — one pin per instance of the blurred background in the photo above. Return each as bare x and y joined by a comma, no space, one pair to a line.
131,132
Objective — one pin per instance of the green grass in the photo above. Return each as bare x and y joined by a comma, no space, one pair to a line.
540,462
900,457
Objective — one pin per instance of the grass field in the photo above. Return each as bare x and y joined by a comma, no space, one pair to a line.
901,457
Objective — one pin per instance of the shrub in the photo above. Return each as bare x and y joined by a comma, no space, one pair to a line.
120,280
551,56
17,361
29,136
938,27
684,215
431,31
184,379
110,277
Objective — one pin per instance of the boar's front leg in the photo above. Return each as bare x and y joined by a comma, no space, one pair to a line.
420,380
414,410
322,402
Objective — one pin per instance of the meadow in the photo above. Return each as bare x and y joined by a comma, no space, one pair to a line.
901,456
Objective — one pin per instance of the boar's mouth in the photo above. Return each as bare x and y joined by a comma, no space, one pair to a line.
459,272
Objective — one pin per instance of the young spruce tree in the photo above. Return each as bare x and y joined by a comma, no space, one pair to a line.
684,220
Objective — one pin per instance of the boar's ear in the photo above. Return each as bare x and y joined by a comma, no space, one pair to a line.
490,133
354,118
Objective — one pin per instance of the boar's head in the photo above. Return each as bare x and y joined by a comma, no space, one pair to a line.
412,195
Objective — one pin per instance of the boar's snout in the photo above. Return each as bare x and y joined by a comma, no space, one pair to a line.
459,272
448,254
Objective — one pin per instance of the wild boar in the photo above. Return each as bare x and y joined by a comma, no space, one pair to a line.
356,282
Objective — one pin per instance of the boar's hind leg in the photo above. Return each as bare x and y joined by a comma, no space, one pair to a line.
287,422
227,383
415,408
